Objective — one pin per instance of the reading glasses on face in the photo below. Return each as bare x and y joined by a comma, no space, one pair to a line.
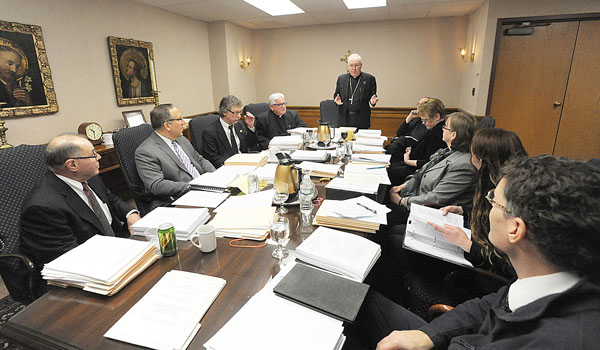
235,113
173,119
354,65
447,128
94,155
490,198
280,104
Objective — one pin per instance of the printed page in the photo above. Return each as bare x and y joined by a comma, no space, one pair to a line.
203,199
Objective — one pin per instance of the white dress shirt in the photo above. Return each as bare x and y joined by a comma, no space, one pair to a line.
527,290
78,188
226,129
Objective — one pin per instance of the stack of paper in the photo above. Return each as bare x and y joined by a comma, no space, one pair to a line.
320,169
366,173
102,264
252,200
266,172
344,253
217,181
315,156
250,222
286,143
299,130
369,133
255,159
368,141
237,169
168,316
203,199
185,221
340,183
357,214
372,159
358,148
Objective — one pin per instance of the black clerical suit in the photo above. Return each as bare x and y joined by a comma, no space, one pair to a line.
269,125
216,146
357,113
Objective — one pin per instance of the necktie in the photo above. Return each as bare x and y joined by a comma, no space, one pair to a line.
97,210
234,145
185,160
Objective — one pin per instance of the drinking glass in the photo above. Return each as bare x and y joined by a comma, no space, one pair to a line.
340,152
280,231
280,195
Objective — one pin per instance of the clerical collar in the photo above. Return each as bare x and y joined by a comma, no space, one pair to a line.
357,77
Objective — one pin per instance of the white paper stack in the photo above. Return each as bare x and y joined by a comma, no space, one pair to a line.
357,214
314,156
250,222
202,199
185,221
217,181
320,169
366,173
344,253
372,159
369,133
299,130
255,159
259,199
340,183
286,143
368,141
168,316
102,264
358,148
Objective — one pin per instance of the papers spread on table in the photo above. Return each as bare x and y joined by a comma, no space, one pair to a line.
366,173
253,200
237,169
320,169
372,159
102,264
249,222
266,172
300,130
344,253
185,221
218,180
204,199
423,238
340,183
286,143
168,316
315,156
349,215
255,159
358,148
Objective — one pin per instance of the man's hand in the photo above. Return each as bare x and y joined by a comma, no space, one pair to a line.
454,234
22,95
338,100
249,120
412,115
374,100
132,219
405,340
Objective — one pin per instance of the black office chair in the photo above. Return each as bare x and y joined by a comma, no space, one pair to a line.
197,127
126,141
22,167
487,122
256,108
329,113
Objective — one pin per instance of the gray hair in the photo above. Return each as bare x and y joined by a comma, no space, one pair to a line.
159,115
57,152
354,55
275,96
227,102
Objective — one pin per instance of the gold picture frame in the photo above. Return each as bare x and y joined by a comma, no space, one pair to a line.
26,86
133,70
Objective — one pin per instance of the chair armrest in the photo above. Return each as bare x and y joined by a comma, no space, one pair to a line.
437,309
24,259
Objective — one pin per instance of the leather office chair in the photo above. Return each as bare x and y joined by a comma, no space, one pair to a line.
22,167
126,141
197,127
256,108
329,113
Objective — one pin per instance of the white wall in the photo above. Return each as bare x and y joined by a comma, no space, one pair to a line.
240,44
75,34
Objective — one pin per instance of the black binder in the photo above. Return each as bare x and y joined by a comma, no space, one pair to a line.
322,291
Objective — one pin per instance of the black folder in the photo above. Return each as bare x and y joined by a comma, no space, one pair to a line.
322,291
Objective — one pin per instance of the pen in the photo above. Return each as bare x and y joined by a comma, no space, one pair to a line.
376,167
369,209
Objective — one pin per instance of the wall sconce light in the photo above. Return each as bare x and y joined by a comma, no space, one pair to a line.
465,57
246,63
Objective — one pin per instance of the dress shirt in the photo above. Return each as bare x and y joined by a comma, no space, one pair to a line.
169,143
228,134
527,290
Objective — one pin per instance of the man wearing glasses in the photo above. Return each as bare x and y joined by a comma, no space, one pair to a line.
355,94
70,204
277,120
166,161
227,136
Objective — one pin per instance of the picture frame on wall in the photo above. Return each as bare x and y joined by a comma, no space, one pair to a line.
134,118
133,69
26,86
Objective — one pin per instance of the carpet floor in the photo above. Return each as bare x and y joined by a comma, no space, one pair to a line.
8,308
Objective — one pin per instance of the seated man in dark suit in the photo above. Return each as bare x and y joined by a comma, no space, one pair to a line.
227,136
166,161
409,133
276,121
70,204
545,218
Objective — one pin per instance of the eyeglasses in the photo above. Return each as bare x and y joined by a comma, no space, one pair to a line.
280,104
354,65
94,155
175,119
235,113
447,128
490,198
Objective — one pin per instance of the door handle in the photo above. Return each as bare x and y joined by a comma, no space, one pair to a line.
557,104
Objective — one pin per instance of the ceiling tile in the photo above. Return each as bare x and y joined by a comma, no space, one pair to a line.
409,11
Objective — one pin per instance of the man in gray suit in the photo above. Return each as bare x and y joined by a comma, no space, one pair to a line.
166,162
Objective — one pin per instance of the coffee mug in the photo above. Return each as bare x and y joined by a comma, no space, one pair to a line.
207,241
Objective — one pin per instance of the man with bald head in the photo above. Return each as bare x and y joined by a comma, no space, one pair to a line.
70,204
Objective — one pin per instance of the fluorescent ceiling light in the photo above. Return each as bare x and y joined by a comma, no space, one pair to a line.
362,4
276,7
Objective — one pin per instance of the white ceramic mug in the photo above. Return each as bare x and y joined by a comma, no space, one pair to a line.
205,236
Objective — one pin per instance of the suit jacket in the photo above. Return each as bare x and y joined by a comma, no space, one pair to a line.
161,171
449,182
54,219
366,89
216,147
267,128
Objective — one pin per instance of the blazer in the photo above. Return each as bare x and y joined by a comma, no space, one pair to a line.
267,128
54,219
215,144
161,171
449,182
367,88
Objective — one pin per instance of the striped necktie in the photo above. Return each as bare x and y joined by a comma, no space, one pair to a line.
185,160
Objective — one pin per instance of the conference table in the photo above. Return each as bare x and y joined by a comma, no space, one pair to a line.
74,319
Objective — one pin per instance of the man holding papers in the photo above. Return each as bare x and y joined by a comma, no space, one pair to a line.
70,204
545,218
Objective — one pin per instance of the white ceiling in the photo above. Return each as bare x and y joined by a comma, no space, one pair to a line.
317,11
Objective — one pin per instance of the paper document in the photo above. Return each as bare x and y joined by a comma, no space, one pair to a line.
319,155
360,208
366,173
266,172
202,199
320,169
341,183
258,199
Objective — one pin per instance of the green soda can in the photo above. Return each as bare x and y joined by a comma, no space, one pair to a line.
167,240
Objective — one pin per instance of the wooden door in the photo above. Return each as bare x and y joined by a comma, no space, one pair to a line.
530,83
579,128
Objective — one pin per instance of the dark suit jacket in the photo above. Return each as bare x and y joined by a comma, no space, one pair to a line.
216,147
266,125
54,219
366,89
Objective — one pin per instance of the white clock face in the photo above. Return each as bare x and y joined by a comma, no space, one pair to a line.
93,131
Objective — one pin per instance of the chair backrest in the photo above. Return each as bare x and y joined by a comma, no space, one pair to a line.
329,113
487,122
126,141
22,167
256,108
197,127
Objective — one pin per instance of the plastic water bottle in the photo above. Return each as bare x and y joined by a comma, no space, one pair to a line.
252,183
306,195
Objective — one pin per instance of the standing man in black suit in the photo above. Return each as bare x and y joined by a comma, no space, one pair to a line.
277,120
70,204
227,136
355,94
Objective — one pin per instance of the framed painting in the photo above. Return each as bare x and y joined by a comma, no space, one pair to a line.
26,86
133,70
134,118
